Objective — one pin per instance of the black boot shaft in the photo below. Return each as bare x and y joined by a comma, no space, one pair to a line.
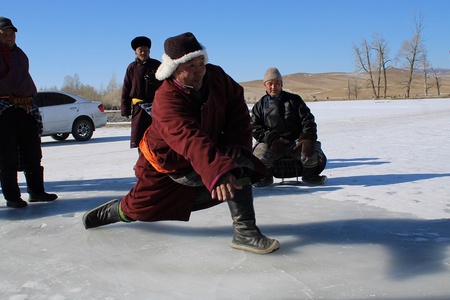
35,180
10,186
35,186
247,235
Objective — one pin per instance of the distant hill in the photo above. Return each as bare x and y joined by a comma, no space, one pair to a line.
335,85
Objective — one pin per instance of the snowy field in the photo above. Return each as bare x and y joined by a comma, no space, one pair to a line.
378,229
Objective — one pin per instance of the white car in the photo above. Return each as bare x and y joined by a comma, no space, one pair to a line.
64,114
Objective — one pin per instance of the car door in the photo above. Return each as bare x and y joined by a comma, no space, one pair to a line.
58,112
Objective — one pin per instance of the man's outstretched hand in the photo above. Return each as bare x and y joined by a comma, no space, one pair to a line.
224,188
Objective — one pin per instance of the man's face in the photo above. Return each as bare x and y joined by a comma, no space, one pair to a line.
142,53
273,87
191,72
8,37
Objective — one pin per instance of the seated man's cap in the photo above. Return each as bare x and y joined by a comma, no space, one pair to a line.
272,74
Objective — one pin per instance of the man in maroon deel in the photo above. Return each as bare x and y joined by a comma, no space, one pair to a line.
138,90
197,153
20,123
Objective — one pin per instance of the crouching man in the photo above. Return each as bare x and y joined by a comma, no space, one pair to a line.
284,127
197,152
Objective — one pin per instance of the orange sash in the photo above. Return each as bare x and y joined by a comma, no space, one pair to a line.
151,156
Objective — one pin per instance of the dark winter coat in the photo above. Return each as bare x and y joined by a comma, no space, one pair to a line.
140,83
289,118
190,130
15,79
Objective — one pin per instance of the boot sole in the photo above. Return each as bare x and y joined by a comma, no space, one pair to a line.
273,247
31,200
16,205
324,179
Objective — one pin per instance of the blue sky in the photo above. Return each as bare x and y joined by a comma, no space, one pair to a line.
91,38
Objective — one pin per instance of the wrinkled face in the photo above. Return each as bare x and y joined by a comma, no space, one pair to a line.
273,87
8,37
191,72
142,53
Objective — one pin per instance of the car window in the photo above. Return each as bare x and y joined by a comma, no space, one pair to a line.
50,99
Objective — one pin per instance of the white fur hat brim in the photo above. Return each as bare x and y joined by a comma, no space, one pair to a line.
169,65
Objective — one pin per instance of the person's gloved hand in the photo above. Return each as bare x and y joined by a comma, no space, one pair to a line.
307,146
279,145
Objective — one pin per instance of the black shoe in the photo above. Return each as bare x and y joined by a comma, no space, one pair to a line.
104,214
19,203
266,181
315,179
42,197
256,244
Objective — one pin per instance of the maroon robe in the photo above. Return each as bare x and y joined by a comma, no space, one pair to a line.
190,133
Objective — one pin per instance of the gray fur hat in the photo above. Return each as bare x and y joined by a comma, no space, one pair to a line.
179,49
272,74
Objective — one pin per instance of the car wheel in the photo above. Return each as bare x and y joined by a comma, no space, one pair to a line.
82,129
60,136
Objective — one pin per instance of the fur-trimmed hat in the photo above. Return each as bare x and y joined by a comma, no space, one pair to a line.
141,41
272,74
6,23
179,49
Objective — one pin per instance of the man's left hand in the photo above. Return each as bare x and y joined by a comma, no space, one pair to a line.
224,188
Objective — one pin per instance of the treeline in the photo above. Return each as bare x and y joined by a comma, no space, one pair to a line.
374,58
110,96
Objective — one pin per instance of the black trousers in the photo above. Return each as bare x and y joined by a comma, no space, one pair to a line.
20,142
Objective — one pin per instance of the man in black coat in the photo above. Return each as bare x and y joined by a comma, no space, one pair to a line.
284,126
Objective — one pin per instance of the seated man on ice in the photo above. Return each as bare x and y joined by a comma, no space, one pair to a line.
284,127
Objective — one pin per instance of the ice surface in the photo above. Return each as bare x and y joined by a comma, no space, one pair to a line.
378,229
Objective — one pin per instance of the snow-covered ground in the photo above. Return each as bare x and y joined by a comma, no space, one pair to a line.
378,229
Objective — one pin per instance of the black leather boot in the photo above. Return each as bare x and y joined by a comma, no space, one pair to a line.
247,235
310,176
313,166
104,214
35,186
267,180
10,189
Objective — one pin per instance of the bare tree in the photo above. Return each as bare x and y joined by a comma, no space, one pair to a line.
412,50
382,50
353,88
72,84
89,92
111,96
364,63
437,81
374,68
425,65
349,89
